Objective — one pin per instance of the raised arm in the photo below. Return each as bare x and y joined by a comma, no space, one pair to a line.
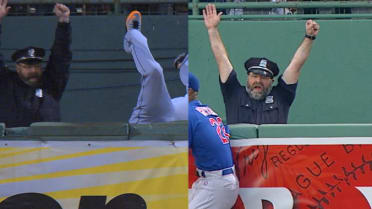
292,73
4,9
211,21
57,70
62,41
62,12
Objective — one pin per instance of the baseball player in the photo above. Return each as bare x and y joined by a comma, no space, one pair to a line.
258,102
154,103
217,186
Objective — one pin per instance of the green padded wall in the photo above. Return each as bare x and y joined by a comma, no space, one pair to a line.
335,84
61,131
314,130
172,131
53,129
243,131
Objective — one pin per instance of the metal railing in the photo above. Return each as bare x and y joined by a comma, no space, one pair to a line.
196,7
95,1
98,7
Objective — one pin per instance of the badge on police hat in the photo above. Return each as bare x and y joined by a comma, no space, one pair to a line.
31,52
269,100
263,63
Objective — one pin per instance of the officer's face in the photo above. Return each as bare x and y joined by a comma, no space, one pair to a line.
258,86
30,73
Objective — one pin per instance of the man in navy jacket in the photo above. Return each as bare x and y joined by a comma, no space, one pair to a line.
31,93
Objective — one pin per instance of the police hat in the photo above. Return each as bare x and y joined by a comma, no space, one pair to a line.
262,66
29,54
193,82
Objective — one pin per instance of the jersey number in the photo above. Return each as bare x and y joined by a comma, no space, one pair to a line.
220,129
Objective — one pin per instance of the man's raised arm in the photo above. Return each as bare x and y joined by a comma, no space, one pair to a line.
4,9
57,70
292,73
211,21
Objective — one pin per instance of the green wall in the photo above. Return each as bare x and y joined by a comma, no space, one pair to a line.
104,83
335,84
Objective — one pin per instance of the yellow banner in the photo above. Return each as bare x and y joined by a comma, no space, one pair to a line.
93,175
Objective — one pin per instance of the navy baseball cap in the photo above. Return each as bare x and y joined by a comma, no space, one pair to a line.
262,66
193,82
29,55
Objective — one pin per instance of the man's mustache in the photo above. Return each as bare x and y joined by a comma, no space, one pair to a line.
257,84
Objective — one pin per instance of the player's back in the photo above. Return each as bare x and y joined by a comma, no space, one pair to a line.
208,138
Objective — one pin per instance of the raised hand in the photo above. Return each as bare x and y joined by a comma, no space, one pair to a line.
211,18
312,28
62,12
4,9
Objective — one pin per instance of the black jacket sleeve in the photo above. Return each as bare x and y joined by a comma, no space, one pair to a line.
2,63
57,70
230,87
4,72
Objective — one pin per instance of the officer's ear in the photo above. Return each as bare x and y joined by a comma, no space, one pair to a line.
190,91
18,68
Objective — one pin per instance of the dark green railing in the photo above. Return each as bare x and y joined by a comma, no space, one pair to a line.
94,1
196,6
117,4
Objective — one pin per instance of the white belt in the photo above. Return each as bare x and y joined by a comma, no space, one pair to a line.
222,172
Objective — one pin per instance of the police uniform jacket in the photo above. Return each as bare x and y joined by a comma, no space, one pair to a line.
20,104
240,108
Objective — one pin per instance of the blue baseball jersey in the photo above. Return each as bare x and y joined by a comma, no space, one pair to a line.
208,138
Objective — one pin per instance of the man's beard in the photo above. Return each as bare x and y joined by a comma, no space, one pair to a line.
33,80
258,95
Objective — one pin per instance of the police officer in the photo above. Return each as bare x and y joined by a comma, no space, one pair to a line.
257,102
217,186
31,94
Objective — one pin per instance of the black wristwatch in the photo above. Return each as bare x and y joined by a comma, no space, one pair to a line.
310,37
